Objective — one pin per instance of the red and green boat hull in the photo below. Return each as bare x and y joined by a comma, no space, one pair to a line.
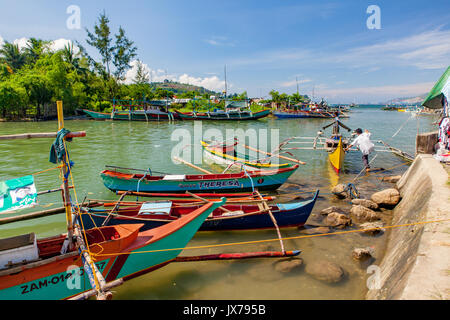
57,279
239,182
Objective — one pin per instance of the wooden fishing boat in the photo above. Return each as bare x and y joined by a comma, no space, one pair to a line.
223,115
336,153
52,275
135,115
227,217
228,155
234,182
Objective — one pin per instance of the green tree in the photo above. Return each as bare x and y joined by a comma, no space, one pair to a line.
102,41
123,51
142,75
12,56
34,49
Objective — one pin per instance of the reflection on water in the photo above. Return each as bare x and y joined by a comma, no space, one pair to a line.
144,145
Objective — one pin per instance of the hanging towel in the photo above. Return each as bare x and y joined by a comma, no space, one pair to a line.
57,151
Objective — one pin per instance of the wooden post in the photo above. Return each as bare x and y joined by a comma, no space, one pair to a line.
65,170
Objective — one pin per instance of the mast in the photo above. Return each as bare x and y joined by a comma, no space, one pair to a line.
225,69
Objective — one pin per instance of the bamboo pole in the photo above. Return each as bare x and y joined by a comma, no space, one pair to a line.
266,207
191,165
93,292
116,206
41,135
33,215
96,279
270,154
65,169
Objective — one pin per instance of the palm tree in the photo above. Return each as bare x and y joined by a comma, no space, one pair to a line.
35,48
12,55
74,60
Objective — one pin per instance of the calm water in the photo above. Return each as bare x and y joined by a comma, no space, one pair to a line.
144,145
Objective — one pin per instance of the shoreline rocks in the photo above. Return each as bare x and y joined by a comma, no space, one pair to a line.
326,271
364,214
337,220
362,254
388,197
372,228
365,203
290,265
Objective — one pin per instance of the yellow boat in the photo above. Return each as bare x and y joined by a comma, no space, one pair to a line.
337,156
227,155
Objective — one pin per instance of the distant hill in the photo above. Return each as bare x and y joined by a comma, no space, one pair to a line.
177,87
408,100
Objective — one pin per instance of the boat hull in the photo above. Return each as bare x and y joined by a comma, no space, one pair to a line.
226,159
56,279
289,215
224,116
133,116
261,180
337,156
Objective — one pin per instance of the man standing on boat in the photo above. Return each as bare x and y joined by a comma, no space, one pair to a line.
363,143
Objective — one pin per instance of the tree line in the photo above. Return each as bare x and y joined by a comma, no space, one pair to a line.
35,76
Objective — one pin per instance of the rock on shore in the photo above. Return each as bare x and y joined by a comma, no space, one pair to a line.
372,228
337,220
363,214
290,265
326,271
387,197
362,254
365,203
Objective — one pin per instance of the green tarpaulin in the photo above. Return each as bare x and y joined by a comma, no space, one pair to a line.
441,89
17,194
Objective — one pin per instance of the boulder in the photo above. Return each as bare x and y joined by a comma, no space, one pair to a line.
372,228
362,254
339,190
392,179
318,230
338,220
363,214
365,203
333,209
325,271
387,197
290,265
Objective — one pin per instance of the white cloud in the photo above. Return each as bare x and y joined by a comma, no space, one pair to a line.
377,92
59,44
159,75
2,41
22,42
219,41
426,50
294,82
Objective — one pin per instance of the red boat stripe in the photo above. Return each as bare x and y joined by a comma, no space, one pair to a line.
117,266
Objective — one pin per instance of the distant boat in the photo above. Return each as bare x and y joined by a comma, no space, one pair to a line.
223,115
227,155
135,115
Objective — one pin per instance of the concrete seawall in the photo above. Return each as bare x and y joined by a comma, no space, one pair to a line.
417,260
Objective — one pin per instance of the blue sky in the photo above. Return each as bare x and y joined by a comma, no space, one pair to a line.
266,45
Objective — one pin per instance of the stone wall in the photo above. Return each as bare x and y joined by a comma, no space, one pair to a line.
417,260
